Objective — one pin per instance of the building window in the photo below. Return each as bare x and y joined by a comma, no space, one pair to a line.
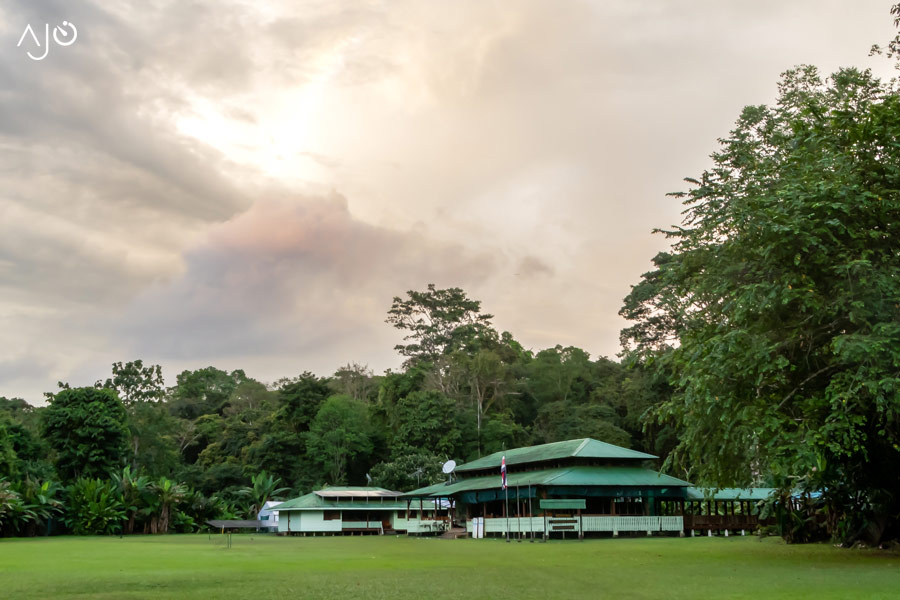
332,515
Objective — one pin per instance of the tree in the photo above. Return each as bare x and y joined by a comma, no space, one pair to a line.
134,489
87,429
562,420
166,494
487,379
893,47
264,487
409,471
203,392
284,453
136,383
426,422
249,402
560,374
781,295
153,438
439,322
300,399
9,461
339,433
354,380
21,422
142,390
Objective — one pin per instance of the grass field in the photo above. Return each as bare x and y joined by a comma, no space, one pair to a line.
371,568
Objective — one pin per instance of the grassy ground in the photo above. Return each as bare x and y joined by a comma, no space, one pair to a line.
371,568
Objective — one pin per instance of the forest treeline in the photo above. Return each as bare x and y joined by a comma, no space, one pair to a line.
134,453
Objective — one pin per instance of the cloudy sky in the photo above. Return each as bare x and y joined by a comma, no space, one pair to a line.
248,183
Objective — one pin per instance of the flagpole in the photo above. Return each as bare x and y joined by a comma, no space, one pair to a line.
530,515
506,490
507,514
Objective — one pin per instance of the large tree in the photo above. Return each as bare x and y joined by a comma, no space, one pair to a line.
778,307
87,429
438,322
142,390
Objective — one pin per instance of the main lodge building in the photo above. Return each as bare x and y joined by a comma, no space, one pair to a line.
578,486
574,487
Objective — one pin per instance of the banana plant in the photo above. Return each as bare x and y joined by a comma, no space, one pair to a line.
135,490
168,494
41,499
264,488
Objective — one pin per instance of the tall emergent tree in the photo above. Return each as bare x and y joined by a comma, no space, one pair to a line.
778,308
438,322
142,390
87,429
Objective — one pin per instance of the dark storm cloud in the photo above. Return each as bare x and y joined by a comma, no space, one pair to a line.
293,277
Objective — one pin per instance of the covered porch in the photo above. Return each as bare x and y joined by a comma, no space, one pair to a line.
708,511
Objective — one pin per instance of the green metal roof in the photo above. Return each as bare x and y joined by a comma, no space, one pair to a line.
313,501
696,493
580,476
580,448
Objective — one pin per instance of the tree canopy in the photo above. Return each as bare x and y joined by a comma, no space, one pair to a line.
86,427
777,312
438,322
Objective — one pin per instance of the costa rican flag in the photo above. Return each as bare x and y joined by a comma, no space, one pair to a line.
503,473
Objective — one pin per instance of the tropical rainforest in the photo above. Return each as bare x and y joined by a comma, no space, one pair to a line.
763,350
131,450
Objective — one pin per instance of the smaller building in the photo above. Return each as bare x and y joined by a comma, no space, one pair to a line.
366,510
267,517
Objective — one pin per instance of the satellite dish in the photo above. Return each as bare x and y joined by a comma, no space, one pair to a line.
449,466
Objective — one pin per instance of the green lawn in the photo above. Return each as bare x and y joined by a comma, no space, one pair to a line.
370,568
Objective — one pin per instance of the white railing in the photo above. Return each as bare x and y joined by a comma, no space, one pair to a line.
599,524
417,526
671,523
361,525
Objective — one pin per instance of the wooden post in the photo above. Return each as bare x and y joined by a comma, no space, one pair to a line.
580,527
